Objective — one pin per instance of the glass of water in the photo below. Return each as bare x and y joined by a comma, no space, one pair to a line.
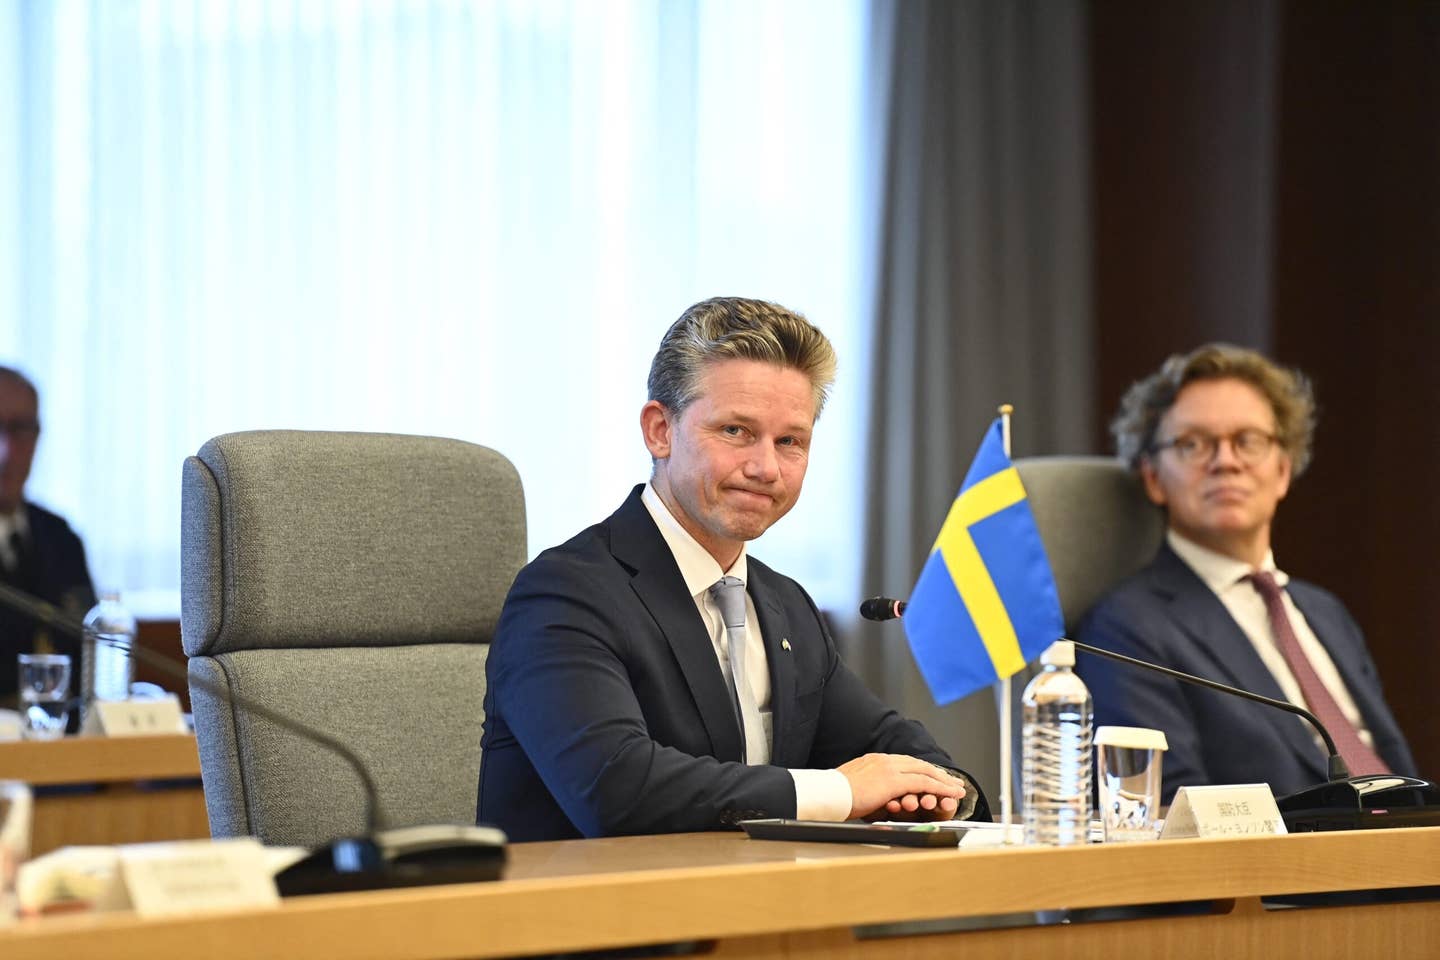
44,695
1129,761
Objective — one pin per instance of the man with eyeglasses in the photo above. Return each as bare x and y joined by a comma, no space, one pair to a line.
39,553
1216,436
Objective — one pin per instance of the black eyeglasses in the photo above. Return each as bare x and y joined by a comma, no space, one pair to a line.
20,428
1250,446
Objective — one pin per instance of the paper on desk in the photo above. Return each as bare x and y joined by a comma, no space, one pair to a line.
15,808
155,879
134,717
70,875
186,876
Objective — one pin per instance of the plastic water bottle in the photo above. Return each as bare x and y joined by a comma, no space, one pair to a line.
106,668
1056,755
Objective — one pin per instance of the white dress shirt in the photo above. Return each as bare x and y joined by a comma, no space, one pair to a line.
819,794
10,524
1225,576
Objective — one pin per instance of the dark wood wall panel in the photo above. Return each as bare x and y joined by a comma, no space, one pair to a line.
1357,305
1182,141
1269,173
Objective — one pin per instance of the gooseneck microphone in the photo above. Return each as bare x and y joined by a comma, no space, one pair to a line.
1342,803
1336,768
882,608
885,608
46,614
409,857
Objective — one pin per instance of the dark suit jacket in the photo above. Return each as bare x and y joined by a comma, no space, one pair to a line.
53,568
606,711
1166,614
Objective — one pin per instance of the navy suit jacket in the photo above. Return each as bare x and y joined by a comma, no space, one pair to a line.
606,711
1167,615
53,569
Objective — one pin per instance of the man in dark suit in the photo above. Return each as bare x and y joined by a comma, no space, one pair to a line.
39,553
1216,436
649,677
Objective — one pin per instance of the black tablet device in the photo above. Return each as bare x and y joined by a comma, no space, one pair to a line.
901,835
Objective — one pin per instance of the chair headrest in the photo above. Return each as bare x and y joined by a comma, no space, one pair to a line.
317,539
1097,524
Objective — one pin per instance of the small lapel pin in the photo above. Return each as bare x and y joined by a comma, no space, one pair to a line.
785,644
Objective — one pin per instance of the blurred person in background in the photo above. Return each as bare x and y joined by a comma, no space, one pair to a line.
39,553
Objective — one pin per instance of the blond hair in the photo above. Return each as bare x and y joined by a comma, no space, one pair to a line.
735,328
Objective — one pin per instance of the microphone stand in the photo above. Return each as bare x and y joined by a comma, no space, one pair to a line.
346,863
1343,802
1335,766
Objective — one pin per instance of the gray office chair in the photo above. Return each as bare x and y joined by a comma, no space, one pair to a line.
1096,522
352,582
1098,528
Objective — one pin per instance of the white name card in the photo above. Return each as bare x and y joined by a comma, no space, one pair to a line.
1226,810
165,879
129,718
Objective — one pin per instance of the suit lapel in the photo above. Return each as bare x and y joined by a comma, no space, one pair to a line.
636,542
1195,610
775,629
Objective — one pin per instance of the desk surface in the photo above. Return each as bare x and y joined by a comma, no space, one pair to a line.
99,759
767,898
106,790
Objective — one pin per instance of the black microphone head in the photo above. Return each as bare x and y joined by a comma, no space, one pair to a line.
882,608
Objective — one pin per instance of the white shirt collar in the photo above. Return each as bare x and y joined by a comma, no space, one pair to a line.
1218,571
696,565
15,522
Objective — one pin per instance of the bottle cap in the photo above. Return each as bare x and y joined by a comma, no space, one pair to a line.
1061,653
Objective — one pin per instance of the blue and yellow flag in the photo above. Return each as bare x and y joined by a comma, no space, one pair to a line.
985,604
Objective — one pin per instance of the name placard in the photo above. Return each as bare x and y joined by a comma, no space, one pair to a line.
130,718
165,879
1223,810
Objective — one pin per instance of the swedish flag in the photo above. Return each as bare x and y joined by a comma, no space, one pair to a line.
985,604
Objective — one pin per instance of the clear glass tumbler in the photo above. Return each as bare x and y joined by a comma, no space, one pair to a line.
1128,760
44,695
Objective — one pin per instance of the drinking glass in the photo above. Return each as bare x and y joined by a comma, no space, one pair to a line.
44,695
1128,762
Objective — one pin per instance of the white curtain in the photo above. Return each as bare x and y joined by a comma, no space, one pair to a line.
984,293
470,219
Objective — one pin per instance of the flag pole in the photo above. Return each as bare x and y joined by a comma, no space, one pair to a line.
1007,776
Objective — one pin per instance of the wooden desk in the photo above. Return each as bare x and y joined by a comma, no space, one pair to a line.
104,790
776,899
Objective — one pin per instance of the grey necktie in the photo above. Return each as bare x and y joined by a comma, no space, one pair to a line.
729,595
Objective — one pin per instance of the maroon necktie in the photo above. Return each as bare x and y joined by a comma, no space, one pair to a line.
1357,756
